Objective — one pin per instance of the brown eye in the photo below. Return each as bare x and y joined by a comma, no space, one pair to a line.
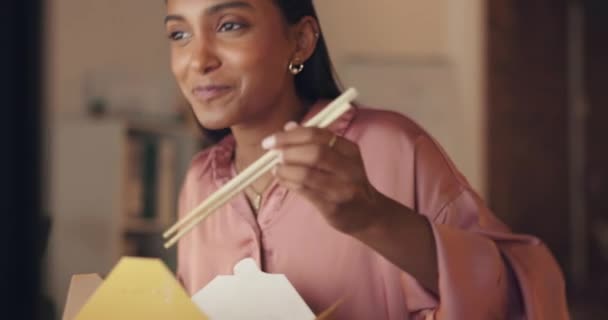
178,35
230,26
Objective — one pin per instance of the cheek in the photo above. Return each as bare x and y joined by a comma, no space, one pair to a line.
265,79
179,63
179,67
259,62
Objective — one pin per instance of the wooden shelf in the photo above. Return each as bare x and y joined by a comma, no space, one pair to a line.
137,225
95,223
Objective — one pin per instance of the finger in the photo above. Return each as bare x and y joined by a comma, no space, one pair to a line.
318,199
297,135
304,135
318,157
290,125
298,177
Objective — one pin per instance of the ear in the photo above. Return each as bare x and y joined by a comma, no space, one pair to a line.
306,34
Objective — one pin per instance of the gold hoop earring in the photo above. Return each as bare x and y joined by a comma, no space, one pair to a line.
296,68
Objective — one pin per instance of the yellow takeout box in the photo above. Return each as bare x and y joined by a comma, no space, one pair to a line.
137,288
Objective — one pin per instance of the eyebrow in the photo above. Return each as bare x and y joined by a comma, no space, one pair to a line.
214,9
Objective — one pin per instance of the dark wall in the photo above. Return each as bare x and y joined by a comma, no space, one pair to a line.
596,148
528,127
528,118
20,179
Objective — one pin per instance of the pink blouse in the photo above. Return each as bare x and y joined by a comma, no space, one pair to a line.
485,271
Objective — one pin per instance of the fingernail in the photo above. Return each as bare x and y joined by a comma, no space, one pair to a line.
290,125
281,158
269,142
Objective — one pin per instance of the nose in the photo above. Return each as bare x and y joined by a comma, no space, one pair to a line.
204,58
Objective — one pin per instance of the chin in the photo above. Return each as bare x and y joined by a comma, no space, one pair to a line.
213,126
213,119
213,123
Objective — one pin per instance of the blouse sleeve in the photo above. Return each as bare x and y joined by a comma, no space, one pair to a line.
485,271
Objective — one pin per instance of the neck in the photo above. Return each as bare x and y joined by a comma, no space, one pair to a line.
249,136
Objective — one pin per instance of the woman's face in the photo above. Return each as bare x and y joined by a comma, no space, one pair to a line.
230,57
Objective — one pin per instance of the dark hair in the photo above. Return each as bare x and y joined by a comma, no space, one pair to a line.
317,80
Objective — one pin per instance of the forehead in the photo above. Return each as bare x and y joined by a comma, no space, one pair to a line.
199,7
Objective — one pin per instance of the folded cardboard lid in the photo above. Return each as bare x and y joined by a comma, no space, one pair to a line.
82,286
139,288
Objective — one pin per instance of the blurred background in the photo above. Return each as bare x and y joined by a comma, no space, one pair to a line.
513,89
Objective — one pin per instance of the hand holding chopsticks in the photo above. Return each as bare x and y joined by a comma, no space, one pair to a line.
323,119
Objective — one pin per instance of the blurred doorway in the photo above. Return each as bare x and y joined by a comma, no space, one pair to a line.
547,137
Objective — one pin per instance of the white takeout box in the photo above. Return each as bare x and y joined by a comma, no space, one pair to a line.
258,295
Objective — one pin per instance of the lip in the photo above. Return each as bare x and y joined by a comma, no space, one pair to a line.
210,92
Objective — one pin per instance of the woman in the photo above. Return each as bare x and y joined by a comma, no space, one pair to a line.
370,210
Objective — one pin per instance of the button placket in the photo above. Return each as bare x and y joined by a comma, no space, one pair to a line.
267,250
269,207
255,246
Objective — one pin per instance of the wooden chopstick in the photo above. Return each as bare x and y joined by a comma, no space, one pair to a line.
264,164
234,183
323,119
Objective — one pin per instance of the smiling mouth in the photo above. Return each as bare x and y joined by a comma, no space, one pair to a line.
208,93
